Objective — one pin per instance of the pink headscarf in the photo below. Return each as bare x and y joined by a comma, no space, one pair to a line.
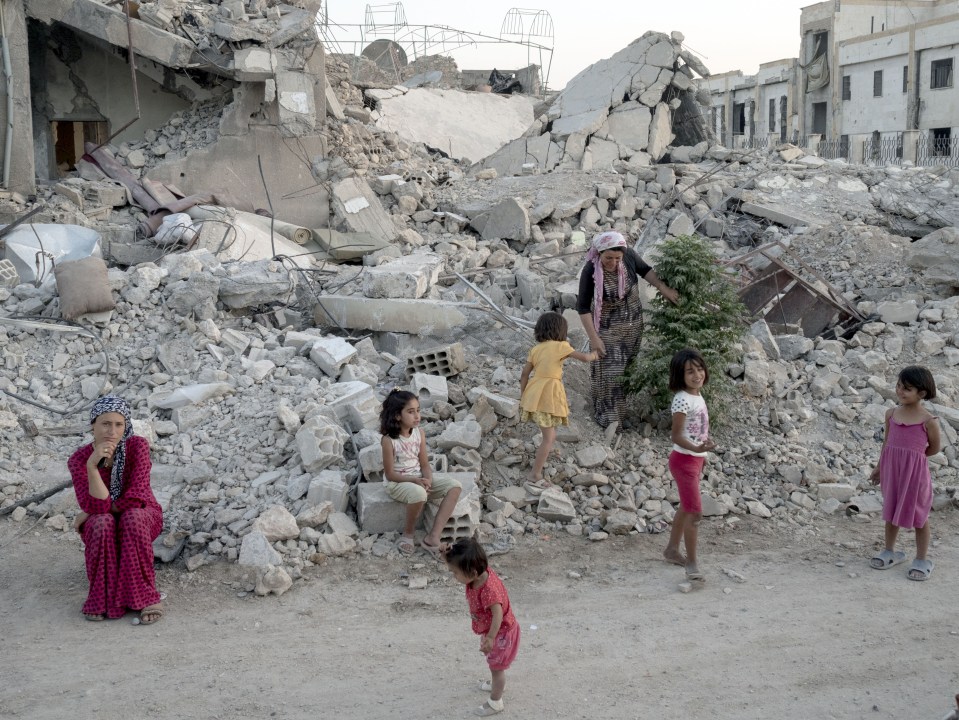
609,240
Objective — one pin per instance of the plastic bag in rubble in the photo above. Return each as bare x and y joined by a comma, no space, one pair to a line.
176,228
503,84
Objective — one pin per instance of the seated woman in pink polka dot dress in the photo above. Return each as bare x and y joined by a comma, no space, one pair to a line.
120,518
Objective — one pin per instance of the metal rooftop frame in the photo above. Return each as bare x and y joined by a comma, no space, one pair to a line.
528,28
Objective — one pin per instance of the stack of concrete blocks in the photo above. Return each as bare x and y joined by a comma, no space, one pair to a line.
9,277
430,389
466,514
355,405
378,513
331,353
447,361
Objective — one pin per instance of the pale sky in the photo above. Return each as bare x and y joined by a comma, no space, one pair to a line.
728,35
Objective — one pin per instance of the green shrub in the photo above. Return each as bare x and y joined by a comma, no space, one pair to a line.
708,317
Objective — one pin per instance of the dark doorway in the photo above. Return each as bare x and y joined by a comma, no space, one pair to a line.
69,137
819,118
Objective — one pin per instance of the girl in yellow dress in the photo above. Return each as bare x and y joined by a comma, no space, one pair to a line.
544,397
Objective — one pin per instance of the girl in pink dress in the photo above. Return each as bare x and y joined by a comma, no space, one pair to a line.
912,435
492,615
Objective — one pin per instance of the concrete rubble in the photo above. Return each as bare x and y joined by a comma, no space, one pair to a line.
259,384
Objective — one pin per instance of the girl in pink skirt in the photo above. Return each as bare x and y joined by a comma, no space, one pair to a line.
912,435
691,443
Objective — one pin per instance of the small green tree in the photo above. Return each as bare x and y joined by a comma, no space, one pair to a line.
708,317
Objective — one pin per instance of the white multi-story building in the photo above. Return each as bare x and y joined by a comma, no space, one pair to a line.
874,78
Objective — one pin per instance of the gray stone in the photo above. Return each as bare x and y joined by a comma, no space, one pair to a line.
757,508
555,505
467,434
256,550
793,347
591,456
274,580
660,132
313,516
276,523
901,313
760,331
839,491
619,522
357,207
250,284
507,219
342,524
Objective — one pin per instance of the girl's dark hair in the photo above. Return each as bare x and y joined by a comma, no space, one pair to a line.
677,368
550,326
919,378
467,556
390,414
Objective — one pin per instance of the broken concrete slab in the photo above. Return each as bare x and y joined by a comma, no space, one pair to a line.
507,219
358,208
110,24
660,132
514,157
416,317
629,124
410,276
446,120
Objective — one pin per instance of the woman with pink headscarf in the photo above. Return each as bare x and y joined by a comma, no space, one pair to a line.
611,310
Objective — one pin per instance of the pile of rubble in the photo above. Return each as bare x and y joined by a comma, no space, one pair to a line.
259,382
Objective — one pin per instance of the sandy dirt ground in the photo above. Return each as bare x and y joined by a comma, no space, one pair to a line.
812,632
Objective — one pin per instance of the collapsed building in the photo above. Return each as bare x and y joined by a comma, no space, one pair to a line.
256,337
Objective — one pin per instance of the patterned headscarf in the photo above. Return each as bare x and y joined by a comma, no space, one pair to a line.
609,240
115,404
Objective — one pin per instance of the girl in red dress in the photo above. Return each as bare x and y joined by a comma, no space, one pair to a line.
493,618
119,518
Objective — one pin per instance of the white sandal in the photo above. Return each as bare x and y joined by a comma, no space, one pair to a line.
485,710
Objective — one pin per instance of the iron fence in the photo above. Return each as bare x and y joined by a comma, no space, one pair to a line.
932,150
885,150
833,149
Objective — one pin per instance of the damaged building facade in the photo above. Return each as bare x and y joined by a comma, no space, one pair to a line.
261,73
874,81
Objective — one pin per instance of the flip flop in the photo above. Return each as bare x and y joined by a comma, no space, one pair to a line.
95,618
435,550
886,559
694,573
680,559
485,710
150,610
406,545
922,567
485,686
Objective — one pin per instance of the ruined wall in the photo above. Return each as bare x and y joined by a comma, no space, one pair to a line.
74,78
22,173
865,112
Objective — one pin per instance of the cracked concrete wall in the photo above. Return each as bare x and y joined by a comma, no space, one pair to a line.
77,79
22,168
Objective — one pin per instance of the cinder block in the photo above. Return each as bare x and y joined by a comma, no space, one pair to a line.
466,514
376,511
430,389
446,361
9,277
320,442
329,486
